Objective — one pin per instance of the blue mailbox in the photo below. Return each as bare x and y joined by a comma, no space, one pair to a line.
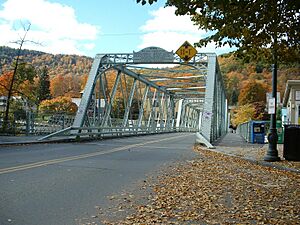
257,132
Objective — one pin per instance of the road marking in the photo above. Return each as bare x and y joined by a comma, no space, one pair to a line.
159,147
83,156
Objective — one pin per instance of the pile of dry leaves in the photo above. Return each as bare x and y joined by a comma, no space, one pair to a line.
217,189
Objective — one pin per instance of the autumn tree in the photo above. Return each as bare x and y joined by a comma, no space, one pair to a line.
248,25
58,105
18,74
5,81
24,84
65,86
243,114
260,111
236,73
253,91
73,86
251,102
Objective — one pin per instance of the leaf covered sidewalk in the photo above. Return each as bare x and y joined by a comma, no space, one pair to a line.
214,189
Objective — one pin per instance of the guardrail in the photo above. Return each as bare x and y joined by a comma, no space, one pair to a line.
257,131
115,131
37,124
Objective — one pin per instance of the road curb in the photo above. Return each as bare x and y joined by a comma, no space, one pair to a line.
67,140
258,162
35,142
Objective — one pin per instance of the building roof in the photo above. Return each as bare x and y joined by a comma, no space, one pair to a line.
289,85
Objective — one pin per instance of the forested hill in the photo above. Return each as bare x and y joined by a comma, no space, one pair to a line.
240,75
237,74
57,64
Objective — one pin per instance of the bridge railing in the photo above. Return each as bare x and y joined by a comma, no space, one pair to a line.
102,132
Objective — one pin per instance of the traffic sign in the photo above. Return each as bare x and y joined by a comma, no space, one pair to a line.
186,51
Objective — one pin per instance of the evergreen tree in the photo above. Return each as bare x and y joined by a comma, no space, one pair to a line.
43,92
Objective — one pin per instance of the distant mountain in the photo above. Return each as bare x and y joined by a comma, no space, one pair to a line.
57,64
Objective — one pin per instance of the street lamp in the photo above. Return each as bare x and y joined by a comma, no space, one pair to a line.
272,153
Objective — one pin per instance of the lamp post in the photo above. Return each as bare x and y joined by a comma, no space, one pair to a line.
272,153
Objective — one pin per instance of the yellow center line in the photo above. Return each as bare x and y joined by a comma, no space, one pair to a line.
83,156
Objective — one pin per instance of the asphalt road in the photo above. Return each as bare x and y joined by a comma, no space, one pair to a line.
57,184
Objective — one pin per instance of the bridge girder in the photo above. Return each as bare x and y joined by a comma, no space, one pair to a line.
123,96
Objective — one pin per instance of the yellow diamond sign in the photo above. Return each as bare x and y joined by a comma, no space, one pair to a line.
186,51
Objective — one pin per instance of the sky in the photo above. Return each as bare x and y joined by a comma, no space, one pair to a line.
89,27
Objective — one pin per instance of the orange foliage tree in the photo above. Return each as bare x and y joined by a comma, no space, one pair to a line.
253,91
58,105
251,101
25,87
5,81
65,86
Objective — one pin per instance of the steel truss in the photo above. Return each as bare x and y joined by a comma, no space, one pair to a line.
123,97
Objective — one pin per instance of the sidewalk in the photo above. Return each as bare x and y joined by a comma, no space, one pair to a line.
233,144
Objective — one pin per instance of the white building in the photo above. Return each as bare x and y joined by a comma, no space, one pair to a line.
291,101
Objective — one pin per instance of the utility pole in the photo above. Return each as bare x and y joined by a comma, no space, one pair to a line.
272,153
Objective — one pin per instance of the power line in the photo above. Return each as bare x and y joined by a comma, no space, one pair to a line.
122,34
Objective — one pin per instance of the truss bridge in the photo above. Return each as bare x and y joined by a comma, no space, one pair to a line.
152,91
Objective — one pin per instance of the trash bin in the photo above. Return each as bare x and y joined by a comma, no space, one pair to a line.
291,145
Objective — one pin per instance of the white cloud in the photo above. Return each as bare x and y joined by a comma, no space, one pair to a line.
166,20
89,46
168,31
168,40
53,24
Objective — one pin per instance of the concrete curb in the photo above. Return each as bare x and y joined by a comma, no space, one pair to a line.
35,142
66,140
258,162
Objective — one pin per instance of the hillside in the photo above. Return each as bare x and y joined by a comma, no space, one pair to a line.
235,71
237,74
57,64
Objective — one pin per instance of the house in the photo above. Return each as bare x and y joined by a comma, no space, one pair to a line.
291,101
